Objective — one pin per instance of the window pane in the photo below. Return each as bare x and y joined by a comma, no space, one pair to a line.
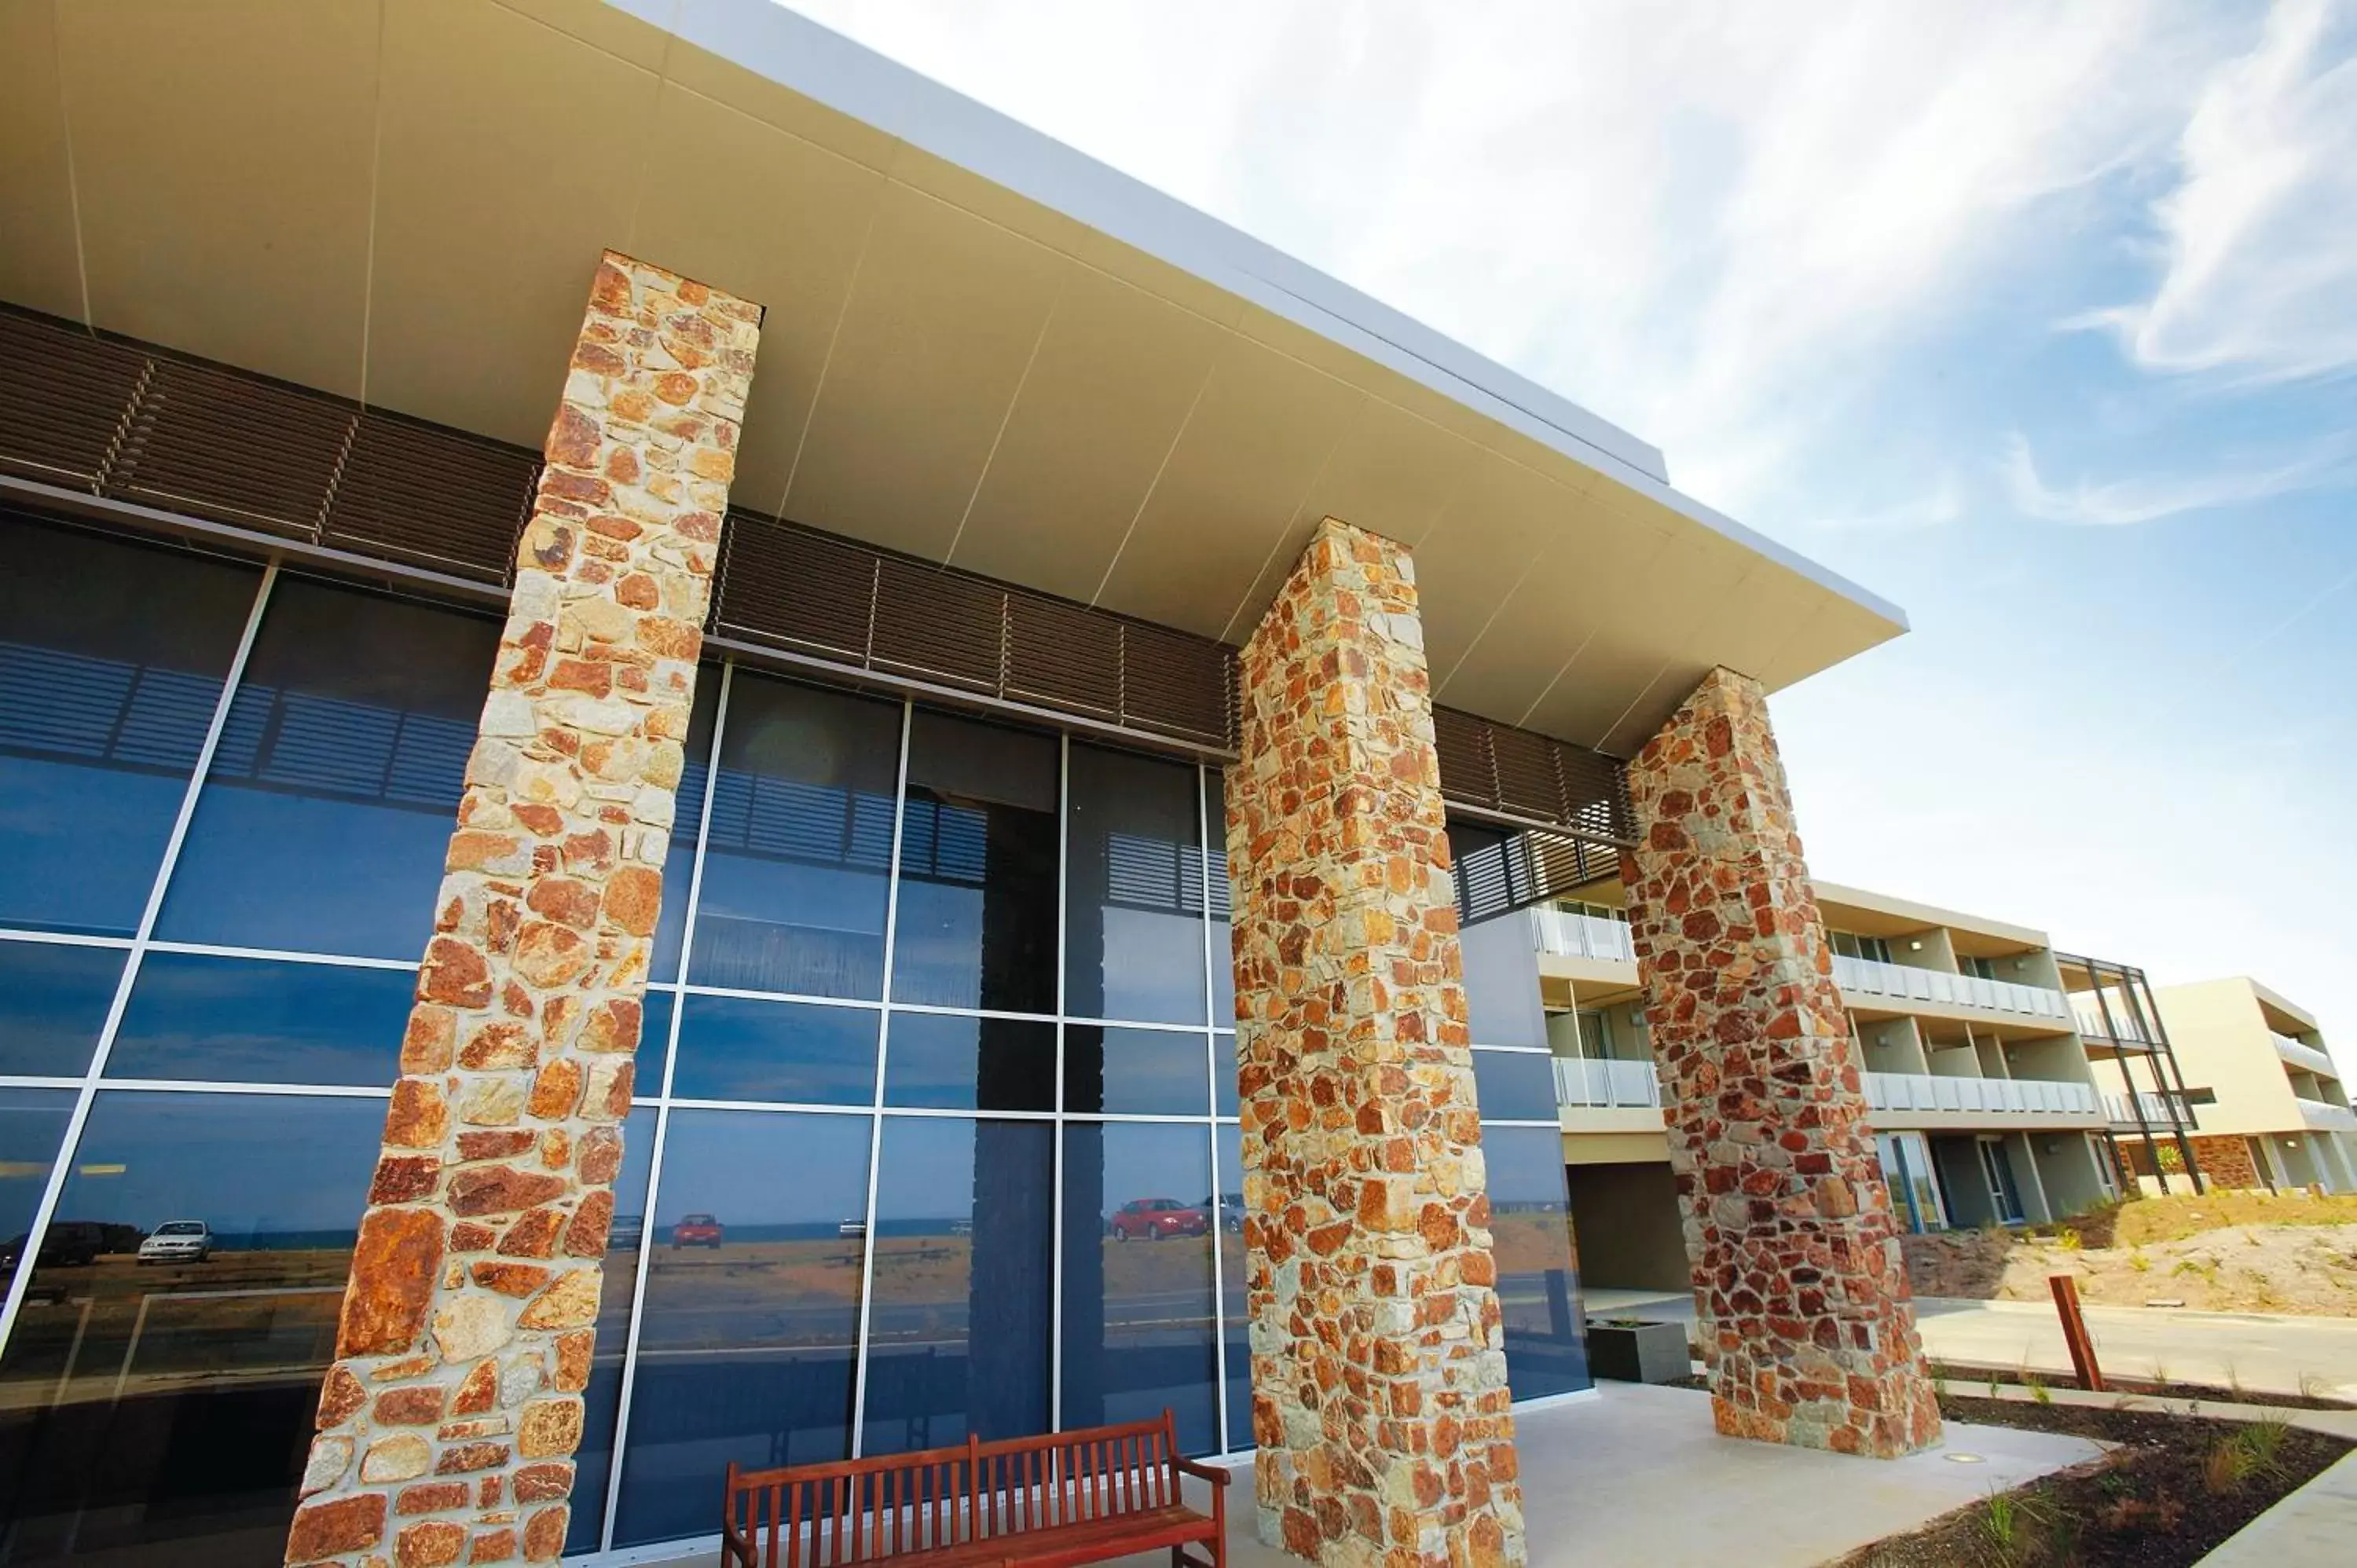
800,847
958,1331
734,1049
1136,1072
1133,899
1138,1308
1538,1283
594,1460
32,1125
254,1021
678,860
328,813
1501,983
1223,961
944,1062
1514,1086
53,1002
977,921
1224,1091
1229,1143
160,1415
752,1306
112,656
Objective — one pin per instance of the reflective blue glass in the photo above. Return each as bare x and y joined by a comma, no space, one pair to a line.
53,1003
1228,1158
977,913
32,1125
323,825
1136,1072
1140,1321
1538,1279
1224,1090
1514,1086
803,1053
113,655
159,1414
679,862
945,1061
601,1401
1134,889
752,1309
1223,962
801,848
234,1020
965,1245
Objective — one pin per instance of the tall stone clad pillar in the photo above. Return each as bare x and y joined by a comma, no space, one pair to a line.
1378,1365
1801,1296
449,1421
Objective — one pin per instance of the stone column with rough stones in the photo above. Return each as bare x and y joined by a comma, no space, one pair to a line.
448,1424
1801,1295
1380,1403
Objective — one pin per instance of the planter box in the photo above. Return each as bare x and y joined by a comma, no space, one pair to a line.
1634,1352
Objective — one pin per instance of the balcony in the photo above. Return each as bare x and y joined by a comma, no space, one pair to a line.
1606,1085
2322,1117
2010,1096
2157,1109
2300,1053
1569,935
2121,1026
1866,977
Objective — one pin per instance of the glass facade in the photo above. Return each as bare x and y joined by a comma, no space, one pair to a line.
936,1132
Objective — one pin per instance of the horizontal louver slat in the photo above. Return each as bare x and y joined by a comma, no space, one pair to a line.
418,492
216,444
63,396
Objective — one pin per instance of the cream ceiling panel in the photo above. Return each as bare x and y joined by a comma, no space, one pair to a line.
1634,630
1499,522
604,26
1837,630
773,219
1549,617
985,199
789,111
496,193
1232,489
220,156
942,320
38,265
1102,405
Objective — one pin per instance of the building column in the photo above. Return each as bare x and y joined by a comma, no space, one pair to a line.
1379,1377
449,1421
1801,1294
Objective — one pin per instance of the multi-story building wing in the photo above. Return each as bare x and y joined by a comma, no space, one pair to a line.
2277,1112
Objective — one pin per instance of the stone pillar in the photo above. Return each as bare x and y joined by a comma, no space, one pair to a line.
1799,1292
449,1421
1379,1376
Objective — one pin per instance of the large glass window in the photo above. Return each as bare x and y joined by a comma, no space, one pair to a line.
260,1021
323,824
53,1001
806,1053
32,1126
949,1061
159,1413
1538,1282
795,877
593,1462
112,656
978,916
1136,1072
1134,889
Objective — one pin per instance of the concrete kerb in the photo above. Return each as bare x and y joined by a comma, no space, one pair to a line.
2313,1526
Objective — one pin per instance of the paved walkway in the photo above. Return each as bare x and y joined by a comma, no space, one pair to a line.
2316,1527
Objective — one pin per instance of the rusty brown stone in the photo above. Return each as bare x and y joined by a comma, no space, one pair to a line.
332,1528
418,1405
549,1428
500,1044
510,1278
395,1261
341,1398
634,900
555,1090
574,1353
501,1189
478,1390
612,1026
551,1480
600,1155
432,1497
543,1534
404,1178
418,1117
586,1234
534,1235
426,1047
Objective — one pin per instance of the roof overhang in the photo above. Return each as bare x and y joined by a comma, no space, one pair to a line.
982,348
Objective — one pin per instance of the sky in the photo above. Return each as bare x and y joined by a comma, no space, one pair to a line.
2039,320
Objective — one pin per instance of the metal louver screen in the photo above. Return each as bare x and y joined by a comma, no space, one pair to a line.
1537,780
789,586
1498,872
133,424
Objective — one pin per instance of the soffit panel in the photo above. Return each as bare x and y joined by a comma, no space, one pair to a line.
1548,620
1500,519
1232,490
1708,577
941,322
1835,630
702,71
1103,402
1623,656
37,263
220,159
773,219
602,27
497,192
963,188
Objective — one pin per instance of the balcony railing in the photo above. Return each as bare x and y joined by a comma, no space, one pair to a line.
2324,1118
1871,977
1582,936
2015,1096
2159,1111
1606,1084
2301,1054
2121,1025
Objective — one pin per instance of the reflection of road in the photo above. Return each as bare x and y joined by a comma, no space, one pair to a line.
682,1330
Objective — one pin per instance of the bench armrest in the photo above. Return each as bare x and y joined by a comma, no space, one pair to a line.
734,1548
1218,1474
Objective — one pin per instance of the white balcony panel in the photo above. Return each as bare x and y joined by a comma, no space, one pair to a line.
1978,1096
2325,1118
1570,935
1606,1084
2301,1054
1868,977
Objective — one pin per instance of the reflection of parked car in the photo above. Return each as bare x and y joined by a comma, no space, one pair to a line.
1230,1207
179,1241
852,1230
67,1243
695,1230
1154,1219
629,1230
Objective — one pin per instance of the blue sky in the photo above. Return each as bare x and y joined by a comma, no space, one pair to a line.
2039,320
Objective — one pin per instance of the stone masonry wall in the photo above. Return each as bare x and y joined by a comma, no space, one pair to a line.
1379,1380
2226,1161
1801,1296
448,1424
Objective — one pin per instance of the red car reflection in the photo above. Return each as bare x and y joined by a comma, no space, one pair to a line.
1154,1219
695,1230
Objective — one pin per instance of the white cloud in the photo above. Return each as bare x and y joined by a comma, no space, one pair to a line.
2148,497
2260,231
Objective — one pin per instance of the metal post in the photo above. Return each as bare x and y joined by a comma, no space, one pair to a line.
2183,1107
2158,1038
2112,1033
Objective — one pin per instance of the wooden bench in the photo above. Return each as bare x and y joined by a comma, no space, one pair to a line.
1066,1498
